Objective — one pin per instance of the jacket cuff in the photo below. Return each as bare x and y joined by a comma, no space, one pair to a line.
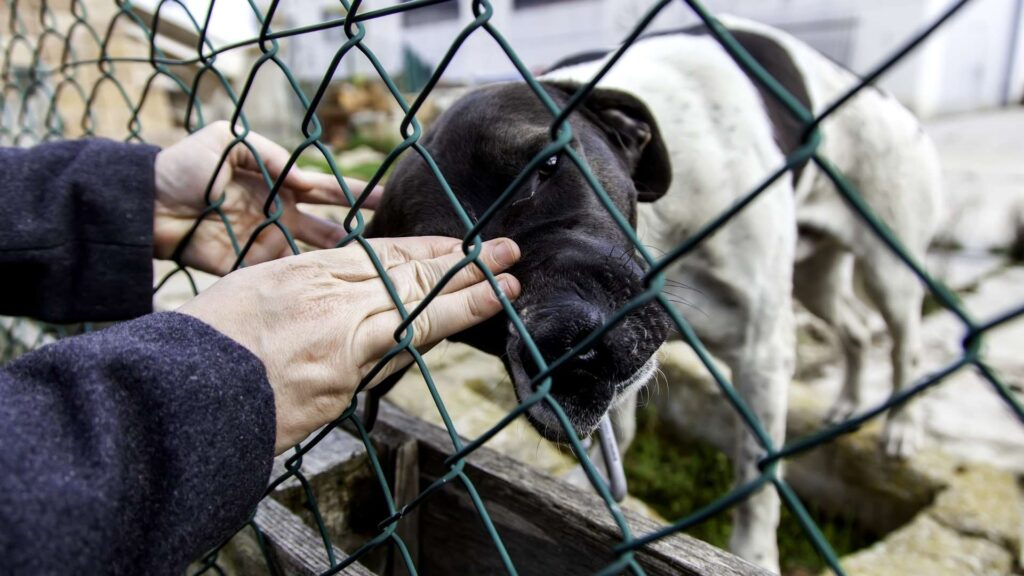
113,272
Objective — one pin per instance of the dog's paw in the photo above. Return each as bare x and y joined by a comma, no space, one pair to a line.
903,436
841,410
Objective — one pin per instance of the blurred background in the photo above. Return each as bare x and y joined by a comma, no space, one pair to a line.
955,509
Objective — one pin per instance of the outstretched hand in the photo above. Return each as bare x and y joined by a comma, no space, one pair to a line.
183,172
322,320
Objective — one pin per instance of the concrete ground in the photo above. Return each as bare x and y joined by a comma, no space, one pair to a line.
984,175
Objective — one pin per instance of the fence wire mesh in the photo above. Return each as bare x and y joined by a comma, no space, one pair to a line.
60,61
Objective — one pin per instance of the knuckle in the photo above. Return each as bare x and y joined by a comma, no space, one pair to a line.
326,407
476,302
424,327
422,275
387,252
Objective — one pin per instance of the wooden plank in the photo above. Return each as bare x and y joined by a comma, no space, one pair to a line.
547,526
347,494
295,548
406,486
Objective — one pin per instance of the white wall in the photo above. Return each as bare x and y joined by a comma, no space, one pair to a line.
965,66
539,35
975,55
968,64
309,55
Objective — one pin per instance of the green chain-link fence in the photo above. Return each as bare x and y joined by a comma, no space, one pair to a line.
60,61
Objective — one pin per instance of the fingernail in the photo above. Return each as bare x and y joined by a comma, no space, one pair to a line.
506,253
509,286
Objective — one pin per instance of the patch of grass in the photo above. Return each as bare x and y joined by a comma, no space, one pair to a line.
313,162
366,171
677,478
361,171
382,144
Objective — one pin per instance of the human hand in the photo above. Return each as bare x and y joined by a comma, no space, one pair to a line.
183,172
320,321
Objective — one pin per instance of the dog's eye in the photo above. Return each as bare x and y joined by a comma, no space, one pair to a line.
547,169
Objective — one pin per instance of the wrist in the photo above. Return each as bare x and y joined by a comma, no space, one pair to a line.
159,185
167,232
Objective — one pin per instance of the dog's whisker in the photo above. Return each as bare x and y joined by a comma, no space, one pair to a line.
684,286
689,305
655,248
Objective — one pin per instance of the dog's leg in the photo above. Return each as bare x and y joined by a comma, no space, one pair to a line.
898,296
761,372
824,284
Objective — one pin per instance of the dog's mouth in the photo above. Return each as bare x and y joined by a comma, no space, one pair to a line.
590,398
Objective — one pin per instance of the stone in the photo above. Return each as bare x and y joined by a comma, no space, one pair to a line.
964,414
983,502
477,393
847,474
927,548
358,156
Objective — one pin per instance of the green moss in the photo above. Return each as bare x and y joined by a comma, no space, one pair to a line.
678,478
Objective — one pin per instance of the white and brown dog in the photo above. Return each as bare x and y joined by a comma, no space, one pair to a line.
677,133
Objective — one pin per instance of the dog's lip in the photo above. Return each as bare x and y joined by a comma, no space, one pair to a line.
540,414
544,418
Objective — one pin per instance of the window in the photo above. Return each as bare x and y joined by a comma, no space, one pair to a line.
336,35
443,12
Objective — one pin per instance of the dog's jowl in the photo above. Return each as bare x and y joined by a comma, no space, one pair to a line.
677,133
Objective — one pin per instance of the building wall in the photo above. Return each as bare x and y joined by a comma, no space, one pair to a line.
974,62
56,108
309,55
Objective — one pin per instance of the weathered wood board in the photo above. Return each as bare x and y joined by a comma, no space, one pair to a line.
548,527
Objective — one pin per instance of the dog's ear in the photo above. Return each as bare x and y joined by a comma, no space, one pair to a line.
632,128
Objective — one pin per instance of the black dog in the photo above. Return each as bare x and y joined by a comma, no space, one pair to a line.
577,267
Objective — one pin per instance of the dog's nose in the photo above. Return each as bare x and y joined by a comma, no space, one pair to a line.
556,331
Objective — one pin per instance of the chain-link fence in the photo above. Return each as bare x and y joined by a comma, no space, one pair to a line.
67,72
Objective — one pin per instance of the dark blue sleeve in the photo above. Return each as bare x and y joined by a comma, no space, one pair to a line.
132,449
76,230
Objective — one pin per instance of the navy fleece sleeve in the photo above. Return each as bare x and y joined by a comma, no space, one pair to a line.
131,449
76,230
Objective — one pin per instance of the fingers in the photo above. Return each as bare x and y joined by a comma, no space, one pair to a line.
351,264
323,188
358,187
309,187
274,157
414,279
397,251
446,315
315,231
